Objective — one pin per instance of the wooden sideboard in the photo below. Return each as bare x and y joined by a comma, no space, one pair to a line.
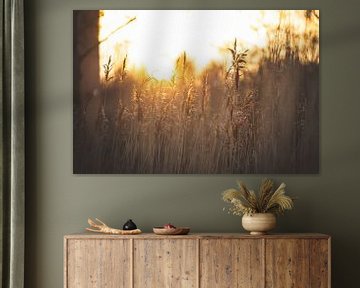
197,260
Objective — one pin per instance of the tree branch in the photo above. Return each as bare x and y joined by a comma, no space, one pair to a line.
88,51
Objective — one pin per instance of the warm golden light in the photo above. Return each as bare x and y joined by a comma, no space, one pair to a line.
155,39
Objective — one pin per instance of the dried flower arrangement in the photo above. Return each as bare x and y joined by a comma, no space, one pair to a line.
246,202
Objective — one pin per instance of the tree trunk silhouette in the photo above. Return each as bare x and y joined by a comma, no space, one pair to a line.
85,70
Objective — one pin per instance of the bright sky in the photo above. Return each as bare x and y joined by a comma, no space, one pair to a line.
157,37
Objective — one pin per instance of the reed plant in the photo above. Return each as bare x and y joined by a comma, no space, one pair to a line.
222,119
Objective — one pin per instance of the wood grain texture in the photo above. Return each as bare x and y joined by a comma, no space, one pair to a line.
197,260
66,262
231,263
287,263
164,263
319,263
88,235
98,264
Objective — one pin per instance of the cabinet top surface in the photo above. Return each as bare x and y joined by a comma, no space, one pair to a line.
87,235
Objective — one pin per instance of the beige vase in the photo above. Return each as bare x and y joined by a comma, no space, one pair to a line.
259,223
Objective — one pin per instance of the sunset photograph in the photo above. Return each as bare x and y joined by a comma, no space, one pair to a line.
196,91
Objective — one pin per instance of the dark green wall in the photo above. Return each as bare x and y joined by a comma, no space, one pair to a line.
59,202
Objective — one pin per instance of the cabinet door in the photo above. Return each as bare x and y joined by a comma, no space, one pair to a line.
98,263
231,263
287,263
320,263
165,263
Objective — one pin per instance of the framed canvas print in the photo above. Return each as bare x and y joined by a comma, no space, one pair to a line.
196,92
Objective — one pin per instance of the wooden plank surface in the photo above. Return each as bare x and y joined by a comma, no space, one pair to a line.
197,260
166,263
287,263
198,236
66,263
319,263
98,264
231,263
